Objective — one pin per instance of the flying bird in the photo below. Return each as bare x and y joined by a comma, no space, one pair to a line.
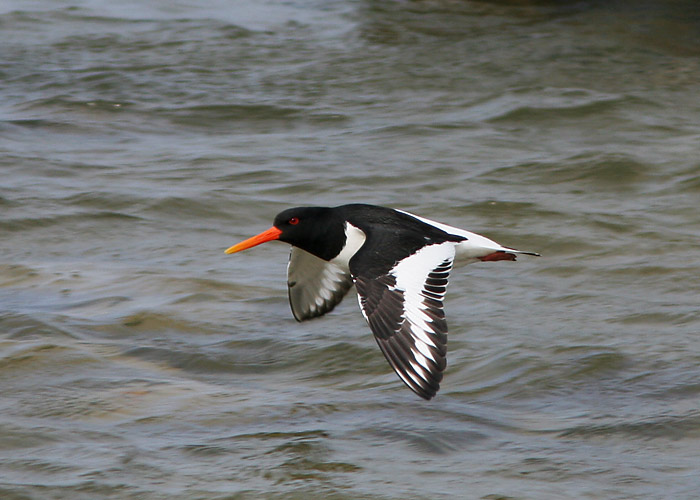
399,263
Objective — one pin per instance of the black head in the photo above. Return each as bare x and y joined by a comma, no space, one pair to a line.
318,230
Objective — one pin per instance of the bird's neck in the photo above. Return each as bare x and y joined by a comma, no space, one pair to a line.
354,239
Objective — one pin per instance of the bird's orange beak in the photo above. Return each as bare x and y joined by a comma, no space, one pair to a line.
271,234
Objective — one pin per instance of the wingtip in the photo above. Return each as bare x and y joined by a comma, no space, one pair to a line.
424,392
427,395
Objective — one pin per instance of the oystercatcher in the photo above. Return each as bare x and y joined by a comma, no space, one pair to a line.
399,264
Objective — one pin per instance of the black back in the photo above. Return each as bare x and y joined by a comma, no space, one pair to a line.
391,236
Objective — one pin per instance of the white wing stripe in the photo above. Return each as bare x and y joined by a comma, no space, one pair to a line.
420,358
420,371
422,335
416,320
424,351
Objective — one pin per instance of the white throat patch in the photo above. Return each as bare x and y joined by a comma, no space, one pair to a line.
354,239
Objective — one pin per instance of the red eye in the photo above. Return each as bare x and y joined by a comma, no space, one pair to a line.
294,221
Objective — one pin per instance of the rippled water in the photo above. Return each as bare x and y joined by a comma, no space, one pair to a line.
138,141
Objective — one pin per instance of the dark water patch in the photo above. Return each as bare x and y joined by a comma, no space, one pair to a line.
175,206
332,363
673,384
562,247
304,468
54,126
192,362
687,182
218,283
634,267
18,16
143,322
233,112
574,105
348,183
19,274
688,389
42,466
204,450
409,23
600,171
421,130
261,116
66,220
19,437
195,298
305,459
95,306
98,200
611,224
660,318
240,357
340,359
253,176
315,411
26,183
56,302
314,189
85,489
30,325
560,370
547,469
668,26
442,442
92,27
491,374
593,365
62,404
6,202
280,435
153,33
297,492
68,104
507,220
303,447
673,427
19,493
29,357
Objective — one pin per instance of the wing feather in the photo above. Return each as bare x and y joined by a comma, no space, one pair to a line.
315,286
404,309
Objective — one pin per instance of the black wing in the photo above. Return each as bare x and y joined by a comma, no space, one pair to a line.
404,309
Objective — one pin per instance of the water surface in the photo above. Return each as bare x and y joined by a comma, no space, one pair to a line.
137,142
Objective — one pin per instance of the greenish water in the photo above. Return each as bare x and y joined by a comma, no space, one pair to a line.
138,141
